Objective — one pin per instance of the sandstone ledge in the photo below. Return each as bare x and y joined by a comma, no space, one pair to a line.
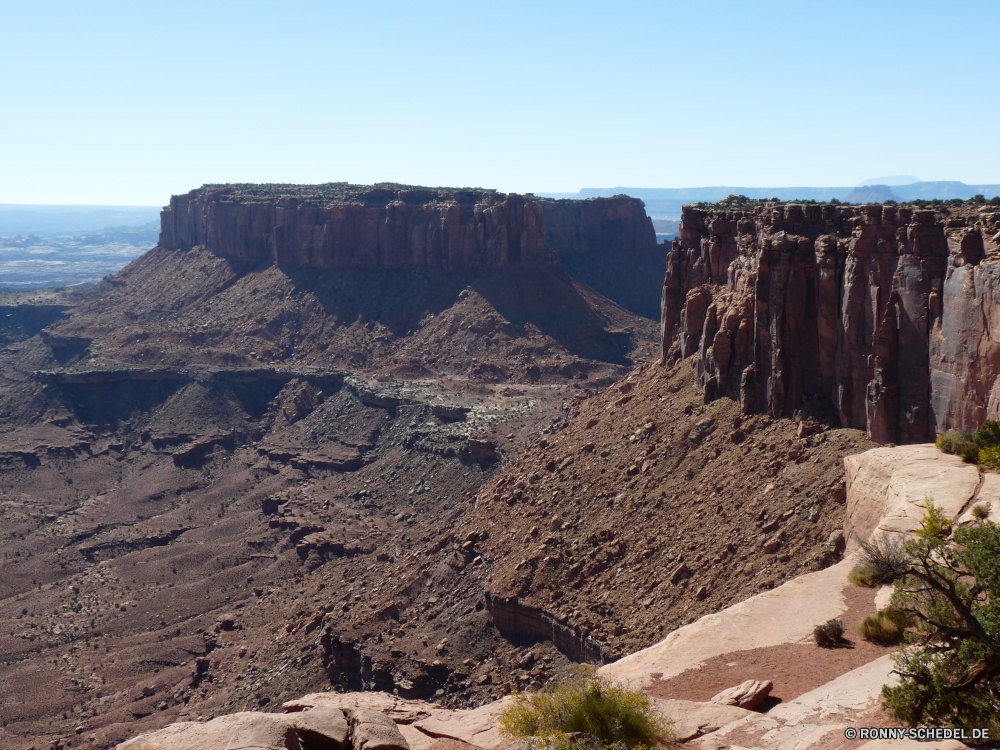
888,489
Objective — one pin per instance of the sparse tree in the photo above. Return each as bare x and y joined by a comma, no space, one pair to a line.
948,583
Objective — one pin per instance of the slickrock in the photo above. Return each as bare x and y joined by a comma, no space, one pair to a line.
888,489
913,745
400,710
882,316
262,732
318,727
691,719
399,226
477,726
215,734
786,614
421,723
748,694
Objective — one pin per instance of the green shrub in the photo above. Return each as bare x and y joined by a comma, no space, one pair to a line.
886,626
990,456
829,634
935,523
961,444
866,575
988,434
981,511
583,710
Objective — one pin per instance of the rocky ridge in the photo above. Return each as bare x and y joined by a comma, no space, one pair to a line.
875,317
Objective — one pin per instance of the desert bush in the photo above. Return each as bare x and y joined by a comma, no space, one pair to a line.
585,711
980,511
990,456
884,557
960,444
935,524
982,446
886,626
829,634
866,575
988,434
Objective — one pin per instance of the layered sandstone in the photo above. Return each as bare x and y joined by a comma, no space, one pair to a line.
396,226
881,316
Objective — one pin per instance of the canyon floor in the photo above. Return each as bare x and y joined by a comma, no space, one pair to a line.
226,491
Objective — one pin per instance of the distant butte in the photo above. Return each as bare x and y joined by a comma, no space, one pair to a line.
392,226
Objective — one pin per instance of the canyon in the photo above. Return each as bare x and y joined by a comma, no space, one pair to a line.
431,442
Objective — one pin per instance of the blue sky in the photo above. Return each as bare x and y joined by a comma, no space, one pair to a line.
127,103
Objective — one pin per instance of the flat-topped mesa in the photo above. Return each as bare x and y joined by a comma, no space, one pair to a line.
886,317
398,226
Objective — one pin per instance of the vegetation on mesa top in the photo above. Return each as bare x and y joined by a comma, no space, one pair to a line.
741,202
946,607
981,447
585,713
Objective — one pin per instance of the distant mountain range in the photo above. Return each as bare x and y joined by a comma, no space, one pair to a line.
665,203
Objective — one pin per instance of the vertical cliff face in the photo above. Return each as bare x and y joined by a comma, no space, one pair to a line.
392,226
883,317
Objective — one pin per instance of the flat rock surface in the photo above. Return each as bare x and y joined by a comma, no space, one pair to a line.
786,614
794,668
477,726
887,488
197,735
263,732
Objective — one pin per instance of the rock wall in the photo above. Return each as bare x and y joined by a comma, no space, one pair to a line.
396,226
880,316
521,622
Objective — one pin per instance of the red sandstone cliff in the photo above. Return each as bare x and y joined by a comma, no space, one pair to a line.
393,226
884,315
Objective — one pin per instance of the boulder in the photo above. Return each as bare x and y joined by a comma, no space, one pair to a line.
749,694
321,728
213,735
373,730
264,732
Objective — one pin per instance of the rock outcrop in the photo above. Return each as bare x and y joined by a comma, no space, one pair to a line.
888,490
749,694
881,317
397,226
